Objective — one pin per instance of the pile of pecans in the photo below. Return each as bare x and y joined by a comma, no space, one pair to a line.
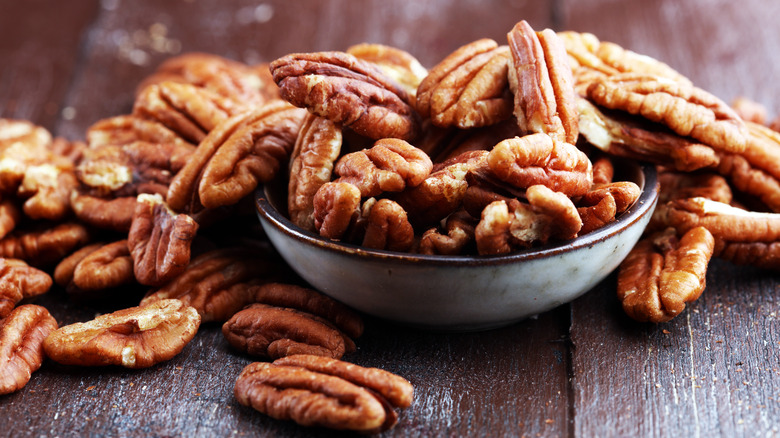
494,149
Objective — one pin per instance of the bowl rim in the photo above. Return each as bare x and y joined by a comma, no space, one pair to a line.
644,205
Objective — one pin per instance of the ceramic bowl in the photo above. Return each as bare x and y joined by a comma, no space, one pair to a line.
458,293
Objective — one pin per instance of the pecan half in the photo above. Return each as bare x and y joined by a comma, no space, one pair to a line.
107,266
10,216
347,91
21,144
336,207
107,213
245,150
21,345
124,129
19,281
459,233
686,110
540,159
390,165
398,64
44,247
269,331
136,337
681,185
662,274
387,226
541,80
47,188
159,241
347,396
469,88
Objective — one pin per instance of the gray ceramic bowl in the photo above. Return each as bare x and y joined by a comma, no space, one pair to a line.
459,293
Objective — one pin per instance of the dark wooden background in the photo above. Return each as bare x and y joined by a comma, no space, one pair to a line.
583,369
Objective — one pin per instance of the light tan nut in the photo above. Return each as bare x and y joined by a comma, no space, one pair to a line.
459,234
21,345
387,226
391,165
348,396
46,188
220,282
311,164
124,129
347,91
336,207
633,137
21,144
136,337
541,81
269,331
44,247
19,281
625,194
240,153
398,64
749,110
662,274
159,241
469,88
540,159
686,110
597,215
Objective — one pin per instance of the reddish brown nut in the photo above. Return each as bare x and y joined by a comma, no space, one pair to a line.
469,88
686,110
269,331
390,165
245,150
105,267
397,64
751,180
21,144
10,215
220,282
21,345
347,91
749,110
540,159
19,281
760,254
349,397
47,189
386,226
106,213
185,109
542,83
634,137
597,215
459,233
625,194
137,337
679,185
662,274
45,247
63,272
311,164
336,207
159,241
124,129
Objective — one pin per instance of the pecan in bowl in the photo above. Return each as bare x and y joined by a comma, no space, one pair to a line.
466,292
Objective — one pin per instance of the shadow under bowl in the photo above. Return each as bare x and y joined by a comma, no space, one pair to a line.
458,293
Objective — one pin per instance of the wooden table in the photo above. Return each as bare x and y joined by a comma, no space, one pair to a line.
583,369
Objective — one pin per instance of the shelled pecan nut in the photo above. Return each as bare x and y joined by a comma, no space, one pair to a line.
469,88
459,233
270,331
136,337
662,274
105,267
349,397
19,281
347,91
680,185
105,213
159,241
10,216
540,159
336,207
311,164
47,189
398,64
541,81
127,128
44,247
21,345
387,226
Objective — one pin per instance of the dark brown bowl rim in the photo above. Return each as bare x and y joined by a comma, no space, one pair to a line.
643,206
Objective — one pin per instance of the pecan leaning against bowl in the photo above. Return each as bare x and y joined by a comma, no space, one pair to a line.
540,159
336,208
348,91
541,80
311,164
469,88
21,345
662,274
220,282
386,226
270,331
347,396
459,233
136,337
159,241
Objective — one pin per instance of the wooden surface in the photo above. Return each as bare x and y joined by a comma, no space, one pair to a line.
583,369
